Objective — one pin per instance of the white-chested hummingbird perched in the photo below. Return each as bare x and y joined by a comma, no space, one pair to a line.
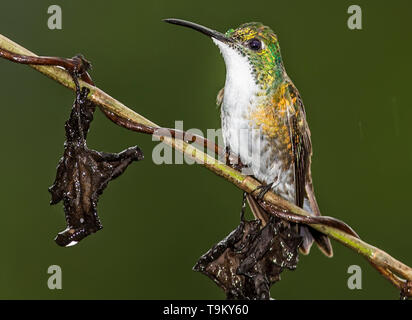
263,119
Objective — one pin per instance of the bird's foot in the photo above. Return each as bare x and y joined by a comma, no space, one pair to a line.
263,190
233,160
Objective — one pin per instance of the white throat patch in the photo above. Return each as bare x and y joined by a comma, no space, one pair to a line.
240,84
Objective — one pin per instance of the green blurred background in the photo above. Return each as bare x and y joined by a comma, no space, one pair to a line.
158,220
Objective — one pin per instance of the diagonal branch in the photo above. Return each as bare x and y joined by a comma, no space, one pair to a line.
388,266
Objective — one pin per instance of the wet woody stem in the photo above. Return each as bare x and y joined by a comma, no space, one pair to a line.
388,266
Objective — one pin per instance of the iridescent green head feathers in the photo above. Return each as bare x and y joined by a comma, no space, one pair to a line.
260,44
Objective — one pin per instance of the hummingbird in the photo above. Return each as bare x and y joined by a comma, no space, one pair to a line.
263,120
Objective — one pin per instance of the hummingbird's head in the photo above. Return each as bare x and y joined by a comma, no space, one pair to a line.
252,47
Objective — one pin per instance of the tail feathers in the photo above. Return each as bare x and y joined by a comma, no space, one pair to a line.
310,205
307,240
323,243
309,236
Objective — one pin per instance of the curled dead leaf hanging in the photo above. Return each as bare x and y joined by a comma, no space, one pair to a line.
250,259
83,173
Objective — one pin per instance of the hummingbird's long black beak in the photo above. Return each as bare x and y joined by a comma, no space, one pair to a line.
209,32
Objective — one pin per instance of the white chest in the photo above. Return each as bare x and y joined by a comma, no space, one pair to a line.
239,97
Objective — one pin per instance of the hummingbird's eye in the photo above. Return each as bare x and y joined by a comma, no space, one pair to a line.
255,44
